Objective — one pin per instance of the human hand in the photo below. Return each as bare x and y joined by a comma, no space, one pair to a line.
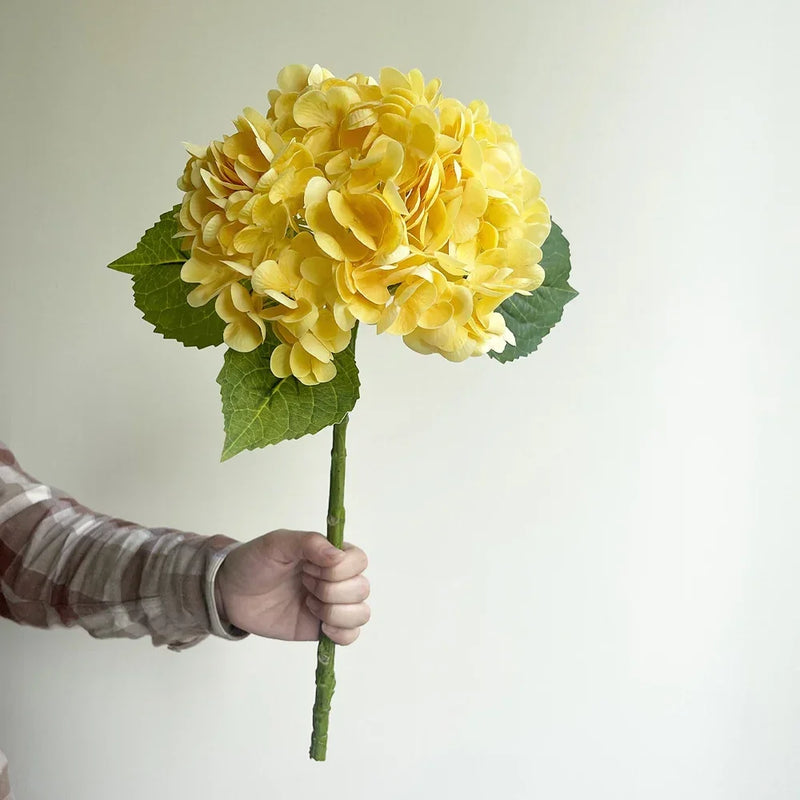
282,584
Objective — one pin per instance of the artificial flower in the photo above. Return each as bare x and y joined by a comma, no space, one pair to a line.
357,199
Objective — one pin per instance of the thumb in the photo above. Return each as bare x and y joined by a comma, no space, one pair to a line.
318,550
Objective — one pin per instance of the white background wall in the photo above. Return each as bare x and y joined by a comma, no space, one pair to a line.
583,565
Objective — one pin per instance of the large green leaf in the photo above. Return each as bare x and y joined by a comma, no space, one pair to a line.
260,409
530,317
160,294
155,247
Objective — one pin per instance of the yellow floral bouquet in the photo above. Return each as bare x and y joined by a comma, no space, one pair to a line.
350,201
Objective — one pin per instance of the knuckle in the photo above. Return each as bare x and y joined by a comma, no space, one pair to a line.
324,590
266,540
311,541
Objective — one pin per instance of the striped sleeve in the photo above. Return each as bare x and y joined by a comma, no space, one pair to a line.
62,564
5,782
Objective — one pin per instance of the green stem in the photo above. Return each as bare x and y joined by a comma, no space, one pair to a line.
326,649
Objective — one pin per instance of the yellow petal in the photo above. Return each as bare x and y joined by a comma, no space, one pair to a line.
372,285
404,322
224,306
396,126
317,270
200,295
312,345
423,115
324,372
465,228
214,184
341,98
316,191
299,361
211,225
196,150
247,239
450,265
488,237
281,298
471,155
242,335
266,276
461,352
343,316
391,78
436,316
311,110
501,213
279,361
350,218
423,141
392,161
338,163
268,215
330,245
416,341
308,379
293,77
240,297
392,196
194,269
318,74
451,341
462,302
387,317
364,311
475,198
361,117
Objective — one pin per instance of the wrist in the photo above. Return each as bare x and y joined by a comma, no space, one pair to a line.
218,612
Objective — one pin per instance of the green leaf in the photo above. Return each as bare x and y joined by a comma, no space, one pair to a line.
160,294
260,409
155,247
530,317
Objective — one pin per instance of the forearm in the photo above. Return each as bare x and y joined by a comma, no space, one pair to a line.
64,564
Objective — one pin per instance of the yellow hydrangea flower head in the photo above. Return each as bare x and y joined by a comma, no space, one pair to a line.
367,200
